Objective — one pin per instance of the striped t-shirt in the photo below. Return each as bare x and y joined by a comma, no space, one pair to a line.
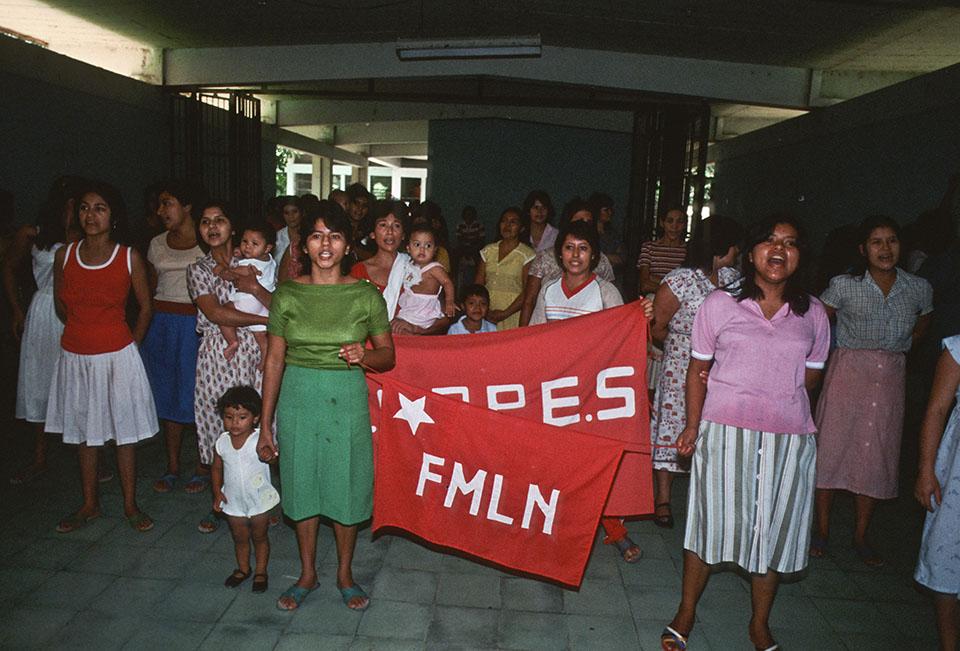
660,259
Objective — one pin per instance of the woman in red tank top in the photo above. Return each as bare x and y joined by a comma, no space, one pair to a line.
100,391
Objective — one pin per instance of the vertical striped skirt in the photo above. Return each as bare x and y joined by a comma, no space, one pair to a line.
751,498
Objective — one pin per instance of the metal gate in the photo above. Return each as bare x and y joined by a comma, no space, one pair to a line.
668,168
216,142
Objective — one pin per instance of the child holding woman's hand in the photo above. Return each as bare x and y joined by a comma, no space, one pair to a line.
241,484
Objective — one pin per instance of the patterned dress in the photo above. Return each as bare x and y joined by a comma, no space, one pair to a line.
668,413
214,373
939,565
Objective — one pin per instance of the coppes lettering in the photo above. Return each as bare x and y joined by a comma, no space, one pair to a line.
502,397
474,488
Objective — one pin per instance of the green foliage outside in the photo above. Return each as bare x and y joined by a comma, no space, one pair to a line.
283,157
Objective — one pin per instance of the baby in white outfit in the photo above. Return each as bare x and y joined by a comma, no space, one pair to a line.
419,304
255,247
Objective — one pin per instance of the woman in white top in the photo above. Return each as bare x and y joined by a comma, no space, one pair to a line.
39,330
538,209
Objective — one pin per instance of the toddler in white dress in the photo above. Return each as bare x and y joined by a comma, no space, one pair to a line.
241,484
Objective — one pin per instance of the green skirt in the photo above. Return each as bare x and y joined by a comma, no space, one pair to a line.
326,449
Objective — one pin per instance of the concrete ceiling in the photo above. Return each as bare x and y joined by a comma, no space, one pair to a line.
332,63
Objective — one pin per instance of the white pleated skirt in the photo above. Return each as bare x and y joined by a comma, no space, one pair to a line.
751,498
39,350
100,398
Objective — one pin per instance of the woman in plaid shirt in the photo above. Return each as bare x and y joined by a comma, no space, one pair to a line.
880,311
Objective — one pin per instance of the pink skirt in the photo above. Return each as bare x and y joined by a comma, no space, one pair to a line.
860,422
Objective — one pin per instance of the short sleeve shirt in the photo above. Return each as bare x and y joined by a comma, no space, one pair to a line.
660,259
757,379
866,319
545,267
171,267
316,320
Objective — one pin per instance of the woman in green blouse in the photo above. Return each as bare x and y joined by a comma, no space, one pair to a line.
314,378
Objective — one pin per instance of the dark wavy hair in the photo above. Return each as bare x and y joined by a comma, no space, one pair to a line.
524,235
51,225
575,205
582,231
236,222
118,208
337,221
240,396
864,229
711,237
793,292
533,197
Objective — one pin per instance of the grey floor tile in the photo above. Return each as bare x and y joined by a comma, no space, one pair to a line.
255,609
598,597
196,602
791,612
212,567
721,606
880,642
405,585
411,556
833,584
53,553
397,620
237,637
68,589
912,621
163,635
894,588
184,535
854,617
599,632
300,641
32,627
380,644
17,581
463,627
163,563
653,604
89,630
469,590
532,630
132,596
528,594
114,560
652,573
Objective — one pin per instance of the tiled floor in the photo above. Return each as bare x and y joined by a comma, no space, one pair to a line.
107,587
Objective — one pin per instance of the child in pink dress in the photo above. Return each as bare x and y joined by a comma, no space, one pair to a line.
419,304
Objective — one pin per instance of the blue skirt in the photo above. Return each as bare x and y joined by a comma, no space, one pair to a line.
169,354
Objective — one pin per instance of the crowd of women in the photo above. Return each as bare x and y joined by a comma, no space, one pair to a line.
739,348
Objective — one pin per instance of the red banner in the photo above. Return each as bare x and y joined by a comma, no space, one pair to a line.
587,374
519,493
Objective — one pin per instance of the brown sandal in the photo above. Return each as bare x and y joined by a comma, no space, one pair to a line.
260,583
237,577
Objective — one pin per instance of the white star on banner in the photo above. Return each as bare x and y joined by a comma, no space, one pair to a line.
413,411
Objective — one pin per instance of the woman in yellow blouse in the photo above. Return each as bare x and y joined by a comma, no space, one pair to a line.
505,265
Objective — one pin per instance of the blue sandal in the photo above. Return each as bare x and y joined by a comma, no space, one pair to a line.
166,483
295,593
197,484
353,592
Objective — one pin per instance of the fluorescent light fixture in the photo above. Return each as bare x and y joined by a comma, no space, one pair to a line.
469,48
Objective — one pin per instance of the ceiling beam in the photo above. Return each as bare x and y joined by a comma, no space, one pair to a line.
300,142
720,80
295,112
